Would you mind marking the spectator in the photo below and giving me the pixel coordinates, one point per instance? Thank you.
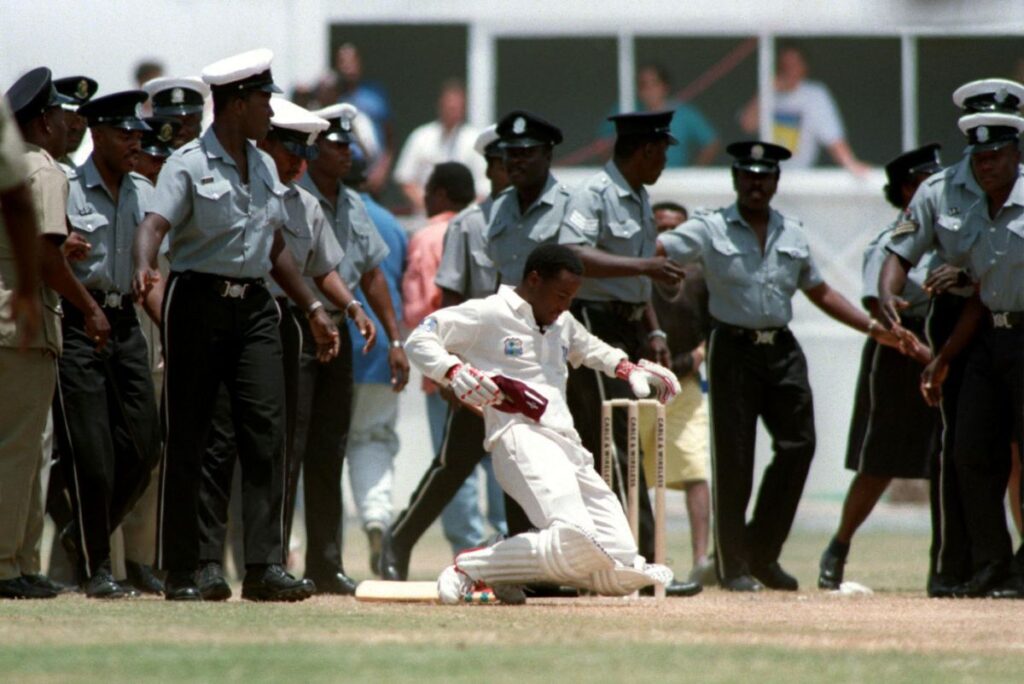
(448, 138)
(371, 100)
(147, 70)
(806, 117)
(372, 440)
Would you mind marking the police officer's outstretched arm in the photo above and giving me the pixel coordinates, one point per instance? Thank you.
(840, 308)
(891, 282)
(285, 271)
(148, 236)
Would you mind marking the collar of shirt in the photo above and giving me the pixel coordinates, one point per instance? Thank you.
(522, 308)
(964, 177)
(775, 221)
(214, 150)
(622, 187)
(92, 178)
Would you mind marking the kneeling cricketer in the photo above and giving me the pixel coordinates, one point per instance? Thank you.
(507, 354)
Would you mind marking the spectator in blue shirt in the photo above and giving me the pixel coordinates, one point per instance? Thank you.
(373, 101)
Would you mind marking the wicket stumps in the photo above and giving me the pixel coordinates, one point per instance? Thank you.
(633, 465)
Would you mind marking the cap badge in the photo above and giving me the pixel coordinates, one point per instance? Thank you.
(82, 90)
(346, 125)
(1000, 96)
(177, 96)
(519, 125)
(138, 110)
(757, 152)
(981, 134)
(166, 133)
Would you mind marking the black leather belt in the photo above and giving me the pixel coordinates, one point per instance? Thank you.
(229, 288)
(759, 336)
(624, 310)
(1008, 320)
(111, 299)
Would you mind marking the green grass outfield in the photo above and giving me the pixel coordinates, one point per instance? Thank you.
(894, 636)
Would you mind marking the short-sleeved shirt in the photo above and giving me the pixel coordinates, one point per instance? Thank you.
(465, 267)
(606, 213)
(688, 126)
(913, 293)
(218, 224)
(512, 235)
(48, 187)
(373, 367)
(309, 237)
(363, 246)
(420, 295)
(935, 218)
(806, 118)
(429, 145)
(996, 257)
(746, 288)
(108, 226)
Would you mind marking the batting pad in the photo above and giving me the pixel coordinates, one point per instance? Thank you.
(559, 553)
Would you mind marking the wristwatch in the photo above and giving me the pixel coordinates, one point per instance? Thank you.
(348, 307)
(312, 308)
(396, 344)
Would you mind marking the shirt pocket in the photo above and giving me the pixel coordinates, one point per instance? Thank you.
(790, 264)
(725, 261)
(213, 204)
(951, 223)
(544, 231)
(622, 234)
(88, 223)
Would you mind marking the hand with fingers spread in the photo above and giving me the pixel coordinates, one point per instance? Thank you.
(661, 269)
(472, 386)
(143, 281)
(891, 305)
(944, 277)
(647, 377)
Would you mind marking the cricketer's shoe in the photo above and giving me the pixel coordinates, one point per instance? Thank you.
(453, 585)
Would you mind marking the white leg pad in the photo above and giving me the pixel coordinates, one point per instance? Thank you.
(624, 580)
(560, 553)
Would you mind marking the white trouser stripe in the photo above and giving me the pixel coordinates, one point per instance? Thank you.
(167, 424)
(871, 406)
(709, 363)
(942, 449)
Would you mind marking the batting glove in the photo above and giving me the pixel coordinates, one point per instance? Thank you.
(473, 387)
(647, 377)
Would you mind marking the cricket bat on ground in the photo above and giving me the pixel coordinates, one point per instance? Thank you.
(381, 591)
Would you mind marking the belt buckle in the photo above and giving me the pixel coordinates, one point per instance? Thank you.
(113, 300)
(234, 290)
(765, 336)
(1001, 320)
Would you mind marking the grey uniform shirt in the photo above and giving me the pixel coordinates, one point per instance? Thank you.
(913, 293)
(218, 224)
(108, 226)
(996, 257)
(934, 219)
(465, 267)
(746, 288)
(363, 246)
(309, 237)
(606, 213)
(512, 235)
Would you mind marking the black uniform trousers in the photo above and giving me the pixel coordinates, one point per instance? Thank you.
(106, 425)
(990, 414)
(221, 454)
(950, 553)
(209, 341)
(746, 381)
(461, 451)
(322, 412)
(587, 388)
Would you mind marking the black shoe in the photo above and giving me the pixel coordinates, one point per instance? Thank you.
(142, 578)
(211, 583)
(374, 536)
(742, 583)
(272, 583)
(677, 589)
(44, 582)
(774, 577)
(394, 559)
(830, 567)
(1012, 588)
(339, 583)
(550, 591)
(941, 586)
(989, 577)
(102, 585)
(19, 588)
(180, 585)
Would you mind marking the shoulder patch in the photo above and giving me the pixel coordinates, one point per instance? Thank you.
(429, 324)
(905, 226)
(579, 221)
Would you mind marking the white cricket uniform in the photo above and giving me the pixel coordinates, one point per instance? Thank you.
(542, 465)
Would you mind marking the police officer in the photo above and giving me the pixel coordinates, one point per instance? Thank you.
(106, 418)
(609, 222)
(325, 390)
(291, 143)
(465, 272)
(934, 222)
(992, 394)
(181, 99)
(220, 202)
(893, 432)
(754, 260)
(78, 90)
(33, 196)
(156, 145)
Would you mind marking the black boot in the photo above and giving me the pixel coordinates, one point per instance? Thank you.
(830, 568)
(774, 577)
(180, 585)
(211, 583)
(141, 576)
(272, 583)
(394, 559)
